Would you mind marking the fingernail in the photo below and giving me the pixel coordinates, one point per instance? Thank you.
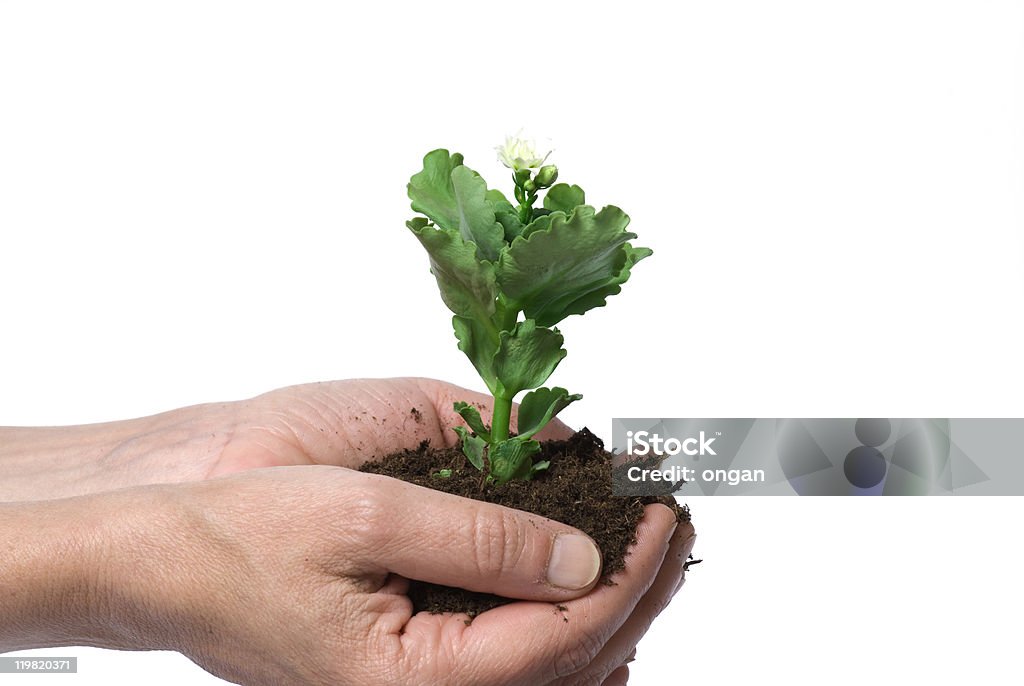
(575, 562)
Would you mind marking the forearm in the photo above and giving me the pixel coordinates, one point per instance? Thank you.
(40, 463)
(95, 570)
(49, 574)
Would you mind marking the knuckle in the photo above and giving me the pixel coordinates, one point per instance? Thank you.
(497, 542)
(366, 515)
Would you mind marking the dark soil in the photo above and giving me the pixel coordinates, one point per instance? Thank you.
(576, 489)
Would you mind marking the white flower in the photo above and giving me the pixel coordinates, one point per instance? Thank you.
(520, 153)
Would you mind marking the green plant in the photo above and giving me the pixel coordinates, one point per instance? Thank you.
(496, 262)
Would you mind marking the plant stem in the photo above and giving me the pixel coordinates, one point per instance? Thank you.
(506, 316)
(526, 209)
(501, 418)
(526, 199)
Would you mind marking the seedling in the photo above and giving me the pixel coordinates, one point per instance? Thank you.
(510, 273)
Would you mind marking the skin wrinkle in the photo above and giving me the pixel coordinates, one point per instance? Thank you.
(169, 440)
(321, 411)
(375, 407)
(586, 648)
(280, 428)
(373, 404)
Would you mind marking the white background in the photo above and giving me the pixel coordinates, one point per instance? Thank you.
(205, 200)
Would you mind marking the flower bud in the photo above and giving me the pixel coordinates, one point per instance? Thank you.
(530, 186)
(522, 176)
(547, 175)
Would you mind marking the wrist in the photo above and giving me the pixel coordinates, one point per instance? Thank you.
(94, 570)
(50, 573)
(138, 541)
(41, 463)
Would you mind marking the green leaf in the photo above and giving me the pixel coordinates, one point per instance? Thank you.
(634, 255)
(539, 467)
(598, 298)
(477, 221)
(512, 459)
(497, 198)
(472, 417)
(431, 189)
(509, 223)
(472, 447)
(563, 197)
(526, 356)
(540, 406)
(505, 214)
(479, 342)
(569, 267)
(540, 223)
(467, 285)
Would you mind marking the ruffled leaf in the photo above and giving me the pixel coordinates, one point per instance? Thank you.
(473, 447)
(505, 214)
(479, 343)
(541, 222)
(431, 189)
(476, 213)
(467, 284)
(512, 459)
(471, 415)
(526, 356)
(569, 267)
(540, 406)
(564, 198)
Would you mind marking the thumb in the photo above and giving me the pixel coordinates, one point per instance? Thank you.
(440, 538)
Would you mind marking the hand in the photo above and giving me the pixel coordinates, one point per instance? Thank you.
(337, 423)
(296, 575)
(342, 423)
(347, 423)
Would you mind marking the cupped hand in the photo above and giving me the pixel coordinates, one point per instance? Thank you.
(346, 423)
(340, 423)
(297, 575)
(245, 565)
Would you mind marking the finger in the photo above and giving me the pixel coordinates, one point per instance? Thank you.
(547, 647)
(617, 678)
(622, 646)
(440, 538)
